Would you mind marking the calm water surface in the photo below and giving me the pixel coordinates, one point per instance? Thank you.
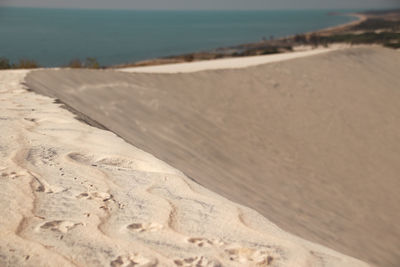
(53, 37)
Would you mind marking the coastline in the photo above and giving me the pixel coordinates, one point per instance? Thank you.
(273, 46)
(181, 59)
(255, 25)
(360, 18)
(155, 66)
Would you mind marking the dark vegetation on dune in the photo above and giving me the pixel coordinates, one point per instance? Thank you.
(382, 12)
(5, 63)
(371, 31)
(388, 39)
(89, 63)
(377, 24)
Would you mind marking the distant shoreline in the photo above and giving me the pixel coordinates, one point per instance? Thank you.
(380, 27)
(344, 33)
(168, 60)
(360, 18)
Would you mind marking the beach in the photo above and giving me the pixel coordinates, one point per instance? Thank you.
(76, 195)
(330, 30)
(309, 142)
(227, 63)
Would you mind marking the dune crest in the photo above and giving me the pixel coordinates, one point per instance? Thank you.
(75, 195)
(311, 143)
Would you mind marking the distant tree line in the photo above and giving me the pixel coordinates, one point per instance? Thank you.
(388, 39)
(89, 63)
(21, 64)
(377, 24)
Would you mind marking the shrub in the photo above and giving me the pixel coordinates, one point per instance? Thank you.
(91, 63)
(377, 24)
(392, 45)
(4, 63)
(188, 58)
(75, 64)
(271, 50)
(315, 40)
(25, 64)
(300, 38)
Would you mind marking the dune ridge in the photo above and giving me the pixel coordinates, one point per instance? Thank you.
(311, 143)
(75, 195)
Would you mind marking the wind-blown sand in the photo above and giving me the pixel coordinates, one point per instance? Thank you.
(75, 195)
(311, 143)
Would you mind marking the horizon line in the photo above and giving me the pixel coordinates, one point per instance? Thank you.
(193, 10)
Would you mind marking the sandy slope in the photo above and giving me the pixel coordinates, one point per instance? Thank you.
(311, 143)
(75, 195)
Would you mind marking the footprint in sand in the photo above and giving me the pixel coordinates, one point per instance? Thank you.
(59, 226)
(133, 260)
(11, 175)
(43, 187)
(118, 163)
(250, 256)
(203, 242)
(30, 119)
(79, 158)
(198, 261)
(144, 227)
(95, 195)
(42, 155)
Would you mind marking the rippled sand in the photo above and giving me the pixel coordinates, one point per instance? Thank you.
(75, 195)
(311, 143)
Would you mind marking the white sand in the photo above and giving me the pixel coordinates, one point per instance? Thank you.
(229, 63)
(74, 195)
(310, 143)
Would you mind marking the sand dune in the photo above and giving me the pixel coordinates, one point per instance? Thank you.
(311, 143)
(75, 195)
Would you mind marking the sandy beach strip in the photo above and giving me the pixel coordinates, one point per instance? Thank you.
(360, 18)
(227, 63)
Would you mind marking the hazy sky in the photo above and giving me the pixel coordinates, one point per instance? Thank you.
(206, 4)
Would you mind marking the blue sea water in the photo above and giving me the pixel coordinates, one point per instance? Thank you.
(53, 37)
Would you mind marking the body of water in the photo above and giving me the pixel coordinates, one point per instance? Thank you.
(53, 37)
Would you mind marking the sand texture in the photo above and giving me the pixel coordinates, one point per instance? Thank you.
(76, 195)
(311, 143)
